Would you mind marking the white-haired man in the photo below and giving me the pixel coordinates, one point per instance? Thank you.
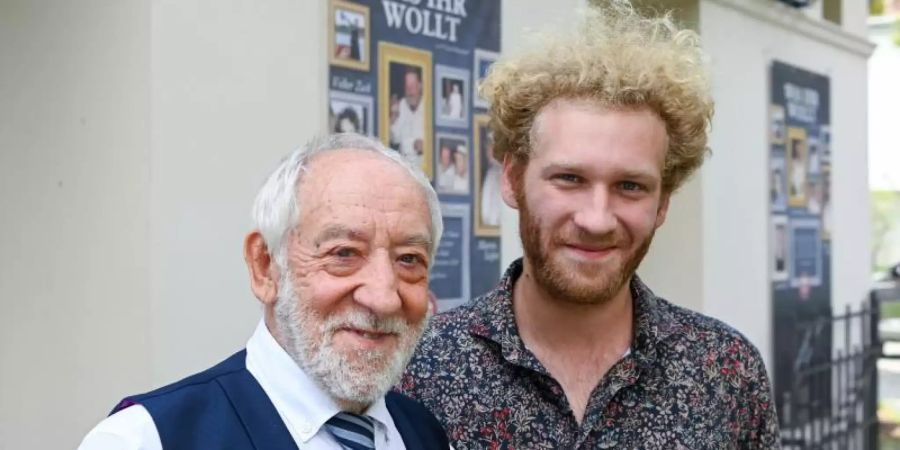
(344, 236)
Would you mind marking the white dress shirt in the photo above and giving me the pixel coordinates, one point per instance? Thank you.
(408, 128)
(302, 404)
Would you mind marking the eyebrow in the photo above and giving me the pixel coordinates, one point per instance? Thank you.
(338, 231)
(418, 240)
(638, 175)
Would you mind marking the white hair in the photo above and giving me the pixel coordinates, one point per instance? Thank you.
(359, 376)
(276, 210)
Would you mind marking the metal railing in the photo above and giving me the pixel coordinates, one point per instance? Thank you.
(832, 401)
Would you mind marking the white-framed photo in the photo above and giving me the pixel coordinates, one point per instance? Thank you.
(452, 173)
(351, 113)
(451, 96)
(480, 66)
(778, 184)
(777, 125)
(780, 248)
(805, 254)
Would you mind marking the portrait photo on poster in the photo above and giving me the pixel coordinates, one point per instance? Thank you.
(482, 61)
(488, 201)
(777, 184)
(452, 172)
(780, 248)
(797, 166)
(405, 103)
(348, 35)
(813, 156)
(826, 202)
(776, 124)
(825, 144)
(451, 92)
(350, 113)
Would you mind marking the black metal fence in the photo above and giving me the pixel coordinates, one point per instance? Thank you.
(833, 400)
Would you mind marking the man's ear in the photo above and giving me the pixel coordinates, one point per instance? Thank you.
(512, 173)
(663, 209)
(262, 268)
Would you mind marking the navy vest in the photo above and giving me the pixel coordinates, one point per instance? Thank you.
(226, 408)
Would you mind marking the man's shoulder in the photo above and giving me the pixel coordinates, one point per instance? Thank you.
(711, 341)
(191, 385)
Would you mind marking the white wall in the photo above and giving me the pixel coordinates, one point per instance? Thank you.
(735, 216)
(884, 108)
(134, 134)
(235, 86)
(74, 191)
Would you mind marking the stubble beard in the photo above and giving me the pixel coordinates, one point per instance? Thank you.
(358, 377)
(562, 283)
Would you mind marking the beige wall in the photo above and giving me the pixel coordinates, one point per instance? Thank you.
(133, 136)
(74, 191)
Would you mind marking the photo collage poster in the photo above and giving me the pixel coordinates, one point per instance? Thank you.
(407, 72)
(800, 221)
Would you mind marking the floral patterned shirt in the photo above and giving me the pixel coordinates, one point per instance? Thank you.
(689, 382)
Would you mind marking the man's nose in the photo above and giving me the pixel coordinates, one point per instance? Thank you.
(378, 290)
(596, 215)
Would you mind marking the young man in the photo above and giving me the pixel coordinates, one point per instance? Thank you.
(572, 350)
(345, 234)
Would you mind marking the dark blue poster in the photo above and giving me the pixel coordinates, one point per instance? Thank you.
(800, 232)
(407, 72)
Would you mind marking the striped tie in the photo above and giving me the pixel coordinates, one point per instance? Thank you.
(352, 431)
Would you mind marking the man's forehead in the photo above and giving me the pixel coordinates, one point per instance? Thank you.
(339, 181)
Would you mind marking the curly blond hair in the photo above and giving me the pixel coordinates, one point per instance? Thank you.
(619, 59)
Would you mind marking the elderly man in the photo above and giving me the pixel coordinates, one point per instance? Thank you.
(595, 132)
(345, 234)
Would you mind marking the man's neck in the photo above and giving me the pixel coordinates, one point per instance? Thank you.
(560, 325)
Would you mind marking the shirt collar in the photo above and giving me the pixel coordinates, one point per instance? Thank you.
(493, 319)
(302, 403)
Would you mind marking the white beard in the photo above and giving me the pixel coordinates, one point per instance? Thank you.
(360, 377)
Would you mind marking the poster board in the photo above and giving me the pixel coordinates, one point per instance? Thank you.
(800, 222)
(407, 72)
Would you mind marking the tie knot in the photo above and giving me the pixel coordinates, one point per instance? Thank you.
(352, 431)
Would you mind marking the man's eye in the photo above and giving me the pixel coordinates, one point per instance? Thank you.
(410, 258)
(568, 178)
(631, 186)
(345, 252)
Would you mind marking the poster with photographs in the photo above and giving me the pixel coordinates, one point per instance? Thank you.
(407, 73)
(799, 199)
